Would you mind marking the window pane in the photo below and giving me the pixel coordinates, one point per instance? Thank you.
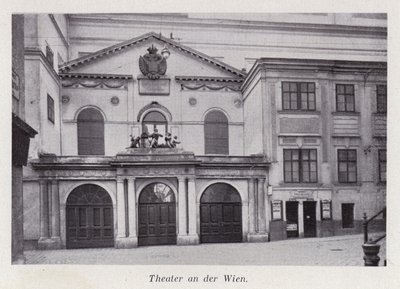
(287, 154)
(313, 177)
(311, 87)
(303, 87)
(339, 89)
(343, 177)
(342, 167)
(285, 86)
(352, 156)
(352, 177)
(342, 155)
(293, 86)
(349, 89)
(295, 154)
(295, 177)
(313, 154)
(305, 154)
(295, 166)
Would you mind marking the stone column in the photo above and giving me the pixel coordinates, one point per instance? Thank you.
(192, 206)
(121, 218)
(301, 219)
(182, 213)
(132, 211)
(257, 225)
(252, 224)
(44, 214)
(261, 207)
(55, 214)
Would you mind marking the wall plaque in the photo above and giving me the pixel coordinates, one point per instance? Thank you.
(306, 195)
(326, 211)
(276, 210)
(154, 87)
(299, 125)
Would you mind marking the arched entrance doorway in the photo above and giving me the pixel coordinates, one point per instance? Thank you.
(220, 214)
(157, 215)
(89, 218)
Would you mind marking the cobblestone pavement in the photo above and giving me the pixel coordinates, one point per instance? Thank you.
(329, 251)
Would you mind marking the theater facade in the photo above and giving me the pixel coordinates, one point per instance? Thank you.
(151, 142)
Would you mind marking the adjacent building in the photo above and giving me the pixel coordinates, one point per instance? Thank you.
(269, 129)
(21, 134)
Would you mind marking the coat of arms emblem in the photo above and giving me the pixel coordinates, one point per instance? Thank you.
(152, 64)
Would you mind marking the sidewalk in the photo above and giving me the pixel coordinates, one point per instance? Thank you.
(329, 251)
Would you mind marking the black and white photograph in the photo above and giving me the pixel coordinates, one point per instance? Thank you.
(222, 139)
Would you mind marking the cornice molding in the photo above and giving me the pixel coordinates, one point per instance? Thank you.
(95, 76)
(78, 19)
(314, 65)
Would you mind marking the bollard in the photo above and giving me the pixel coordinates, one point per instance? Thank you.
(371, 251)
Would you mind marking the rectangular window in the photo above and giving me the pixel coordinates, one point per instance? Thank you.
(300, 165)
(381, 98)
(298, 95)
(347, 215)
(50, 56)
(382, 166)
(347, 166)
(345, 97)
(50, 108)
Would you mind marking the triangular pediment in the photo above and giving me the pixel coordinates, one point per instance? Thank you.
(123, 59)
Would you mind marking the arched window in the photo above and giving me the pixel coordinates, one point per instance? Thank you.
(216, 133)
(90, 132)
(155, 120)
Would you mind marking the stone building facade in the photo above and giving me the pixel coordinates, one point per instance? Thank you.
(280, 128)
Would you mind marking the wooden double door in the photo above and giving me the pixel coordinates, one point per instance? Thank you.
(157, 216)
(220, 215)
(89, 216)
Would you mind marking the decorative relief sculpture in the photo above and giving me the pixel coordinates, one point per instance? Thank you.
(152, 64)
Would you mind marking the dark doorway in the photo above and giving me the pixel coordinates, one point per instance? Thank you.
(220, 215)
(292, 219)
(310, 222)
(89, 218)
(157, 216)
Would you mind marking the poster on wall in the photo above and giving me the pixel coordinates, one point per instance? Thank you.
(276, 210)
(326, 210)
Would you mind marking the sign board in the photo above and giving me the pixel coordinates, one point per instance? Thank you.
(291, 227)
(302, 195)
(276, 210)
(326, 210)
(154, 86)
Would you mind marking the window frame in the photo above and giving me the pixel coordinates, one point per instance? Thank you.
(380, 165)
(50, 109)
(299, 92)
(84, 119)
(381, 107)
(346, 96)
(350, 224)
(347, 161)
(222, 125)
(301, 162)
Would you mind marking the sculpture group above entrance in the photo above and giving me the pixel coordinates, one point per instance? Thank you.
(153, 64)
(151, 141)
